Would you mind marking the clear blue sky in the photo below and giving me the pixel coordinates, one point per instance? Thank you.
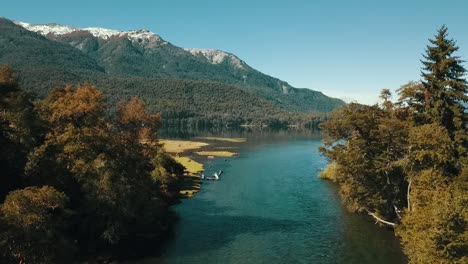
(346, 49)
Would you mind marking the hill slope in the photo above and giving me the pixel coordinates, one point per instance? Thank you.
(145, 54)
(123, 69)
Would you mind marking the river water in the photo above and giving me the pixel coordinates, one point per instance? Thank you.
(271, 207)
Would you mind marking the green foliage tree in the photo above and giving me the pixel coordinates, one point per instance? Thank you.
(445, 89)
(20, 130)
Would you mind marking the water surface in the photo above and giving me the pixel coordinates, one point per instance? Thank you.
(271, 207)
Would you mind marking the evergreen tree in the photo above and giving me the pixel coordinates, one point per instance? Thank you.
(19, 131)
(445, 88)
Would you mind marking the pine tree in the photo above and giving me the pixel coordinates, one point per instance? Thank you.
(445, 86)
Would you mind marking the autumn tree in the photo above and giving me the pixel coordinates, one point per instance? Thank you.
(139, 125)
(103, 183)
(103, 170)
(34, 221)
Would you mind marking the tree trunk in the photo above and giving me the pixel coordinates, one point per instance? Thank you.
(380, 219)
(397, 211)
(408, 196)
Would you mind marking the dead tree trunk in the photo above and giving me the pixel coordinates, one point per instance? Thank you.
(381, 220)
(408, 196)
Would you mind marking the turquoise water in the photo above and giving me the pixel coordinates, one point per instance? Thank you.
(271, 207)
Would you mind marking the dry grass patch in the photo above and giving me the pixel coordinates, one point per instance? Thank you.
(217, 153)
(178, 146)
(233, 140)
(330, 173)
(190, 165)
(191, 182)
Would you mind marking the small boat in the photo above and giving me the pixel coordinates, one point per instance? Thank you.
(215, 176)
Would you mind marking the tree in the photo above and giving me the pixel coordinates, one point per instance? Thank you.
(445, 89)
(20, 131)
(405, 163)
(134, 114)
(83, 106)
(139, 126)
(435, 230)
(103, 167)
(34, 223)
(386, 95)
(365, 142)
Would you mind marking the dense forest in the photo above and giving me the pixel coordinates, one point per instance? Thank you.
(405, 162)
(76, 183)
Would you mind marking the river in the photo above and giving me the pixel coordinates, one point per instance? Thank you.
(271, 207)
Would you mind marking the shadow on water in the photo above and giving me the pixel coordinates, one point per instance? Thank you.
(366, 241)
(270, 207)
(211, 231)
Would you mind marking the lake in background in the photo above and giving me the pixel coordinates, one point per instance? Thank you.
(271, 207)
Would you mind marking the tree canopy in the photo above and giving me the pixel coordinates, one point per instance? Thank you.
(405, 162)
(81, 182)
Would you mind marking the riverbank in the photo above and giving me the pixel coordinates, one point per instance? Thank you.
(184, 152)
(272, 208)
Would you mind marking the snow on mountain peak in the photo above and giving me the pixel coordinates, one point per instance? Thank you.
(45, 29)
(140, 36)
(145, 38)
(218, 56)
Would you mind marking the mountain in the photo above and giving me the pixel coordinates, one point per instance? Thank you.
(139, 62)
(145, 54)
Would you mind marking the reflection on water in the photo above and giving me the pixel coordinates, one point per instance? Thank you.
(270, 207)
(259, 133)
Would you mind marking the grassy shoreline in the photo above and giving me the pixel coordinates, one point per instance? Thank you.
(191, 153)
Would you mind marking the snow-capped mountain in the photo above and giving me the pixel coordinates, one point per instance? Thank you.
(218, 56)
(142, 37)
(45, 29)
(71, 54)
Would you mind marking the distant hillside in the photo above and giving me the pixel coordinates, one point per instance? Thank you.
(140, 63)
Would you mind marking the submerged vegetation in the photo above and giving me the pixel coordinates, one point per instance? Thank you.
(76, 183)
(405, 163)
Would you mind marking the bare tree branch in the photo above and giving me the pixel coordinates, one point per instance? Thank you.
(380, 219)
